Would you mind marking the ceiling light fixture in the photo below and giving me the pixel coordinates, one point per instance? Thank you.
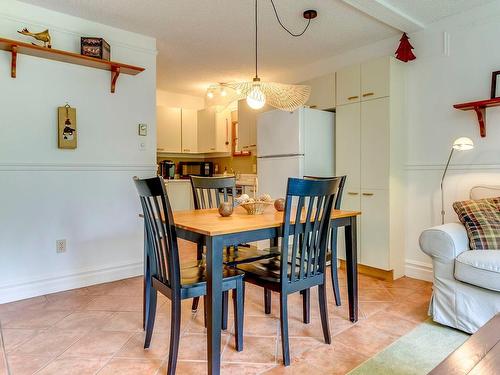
(282, 96)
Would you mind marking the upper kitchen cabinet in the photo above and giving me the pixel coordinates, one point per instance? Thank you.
(348, 85)
(189, 137)
(375, 78)
(322, 92)
(177, 130)
(370, 80)
(247, 125)
(169, 129)
(214, 131)
(223, 131)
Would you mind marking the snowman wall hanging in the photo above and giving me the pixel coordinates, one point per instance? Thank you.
(67, 134)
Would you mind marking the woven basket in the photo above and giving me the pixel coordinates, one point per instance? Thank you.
(256, 208)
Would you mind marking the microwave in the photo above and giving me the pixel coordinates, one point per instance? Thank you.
(196, 168)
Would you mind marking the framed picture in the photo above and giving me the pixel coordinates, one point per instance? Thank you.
(495, 90)
(66, 127)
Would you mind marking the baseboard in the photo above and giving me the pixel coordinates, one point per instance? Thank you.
(418, 270)
(40, 287)
(371, 271)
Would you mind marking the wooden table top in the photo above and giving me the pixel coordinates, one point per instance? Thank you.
(479, 355)
(210, 223)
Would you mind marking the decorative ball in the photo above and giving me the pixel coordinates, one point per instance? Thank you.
(279, 204)
(225, 209)
(265, 198)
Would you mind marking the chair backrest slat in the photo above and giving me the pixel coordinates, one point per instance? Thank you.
(160, 231)
(338, 197)
(307, 231)
(213, 187)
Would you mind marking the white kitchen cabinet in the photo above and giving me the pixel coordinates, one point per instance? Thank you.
(322, 92)
(223, 131)
(169, 131)
(348, 85)
(375, 144)
(206, 130)
(348, 152)
(375, 78)
(370, 150)
(247, 125)
(180, 194)
(214, 131)
(375, 234)
(189, 130)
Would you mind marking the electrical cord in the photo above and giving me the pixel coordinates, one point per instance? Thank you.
(284, 27)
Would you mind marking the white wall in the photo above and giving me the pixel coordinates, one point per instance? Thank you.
(85, 196)
(173, 99)
(436, 81)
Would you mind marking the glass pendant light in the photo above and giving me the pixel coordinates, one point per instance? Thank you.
(256, 99)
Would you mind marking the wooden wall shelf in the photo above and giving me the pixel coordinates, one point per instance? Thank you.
(480, 108)
(16, 47)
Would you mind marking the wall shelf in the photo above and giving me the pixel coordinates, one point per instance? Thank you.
(480, 108)
(16, 47)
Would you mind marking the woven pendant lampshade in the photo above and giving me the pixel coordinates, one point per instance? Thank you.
(282, 96)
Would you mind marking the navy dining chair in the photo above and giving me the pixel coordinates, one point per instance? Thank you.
(165, 275)
(302, 261)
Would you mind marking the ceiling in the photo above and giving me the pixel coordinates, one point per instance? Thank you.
(207, 41)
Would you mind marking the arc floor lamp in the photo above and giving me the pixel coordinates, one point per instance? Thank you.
(460, 144)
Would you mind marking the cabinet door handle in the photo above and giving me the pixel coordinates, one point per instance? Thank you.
(227, 133)
(253, 146)
(352, 97)
(159, 149)
(212, 148)
(352, 193)
(368, 194)
(186, 150)
(245, 146)
(368, 94)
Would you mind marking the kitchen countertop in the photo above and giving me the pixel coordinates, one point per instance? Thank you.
(178, 180)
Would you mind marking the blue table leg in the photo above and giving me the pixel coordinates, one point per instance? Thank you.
(214, 302)
(351, 256)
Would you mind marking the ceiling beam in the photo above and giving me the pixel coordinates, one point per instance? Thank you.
(387, 14)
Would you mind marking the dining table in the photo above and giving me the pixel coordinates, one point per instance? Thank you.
(208, 229)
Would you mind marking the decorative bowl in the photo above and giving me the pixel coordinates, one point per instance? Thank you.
(256, 208)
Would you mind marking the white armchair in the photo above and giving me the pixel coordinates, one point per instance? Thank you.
(466, 282)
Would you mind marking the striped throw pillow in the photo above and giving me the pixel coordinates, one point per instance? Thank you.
(481, 219)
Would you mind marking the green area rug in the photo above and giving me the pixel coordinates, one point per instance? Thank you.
(416, 353)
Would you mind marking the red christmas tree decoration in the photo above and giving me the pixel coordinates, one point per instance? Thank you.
(404, 51)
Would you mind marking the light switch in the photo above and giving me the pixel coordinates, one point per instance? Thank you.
(143, 130)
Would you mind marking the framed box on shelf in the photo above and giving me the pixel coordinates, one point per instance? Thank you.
(95, 47)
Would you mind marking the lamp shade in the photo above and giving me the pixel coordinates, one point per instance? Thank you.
(463, 144)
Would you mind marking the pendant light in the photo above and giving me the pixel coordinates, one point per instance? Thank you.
(279, 95)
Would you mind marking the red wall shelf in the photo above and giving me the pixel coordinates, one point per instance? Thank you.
(480, 108)
(16, 47)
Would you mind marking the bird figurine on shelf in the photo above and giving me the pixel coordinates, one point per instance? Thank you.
(42, 36)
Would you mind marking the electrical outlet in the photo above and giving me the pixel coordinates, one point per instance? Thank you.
(60, 246)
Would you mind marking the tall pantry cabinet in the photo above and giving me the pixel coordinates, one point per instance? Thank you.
(370, 150)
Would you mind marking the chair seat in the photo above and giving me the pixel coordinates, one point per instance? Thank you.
(267, 270)
(194, 273)
(480, 268)
(247, 254)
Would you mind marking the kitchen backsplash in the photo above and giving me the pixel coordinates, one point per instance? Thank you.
(241, 164)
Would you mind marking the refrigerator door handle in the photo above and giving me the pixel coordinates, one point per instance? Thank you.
(278, 156)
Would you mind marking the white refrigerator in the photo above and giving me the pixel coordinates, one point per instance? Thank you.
(293, 144)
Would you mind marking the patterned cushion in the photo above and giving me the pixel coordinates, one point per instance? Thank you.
(481, 219)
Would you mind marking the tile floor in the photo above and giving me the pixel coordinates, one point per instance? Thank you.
(97, 329)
